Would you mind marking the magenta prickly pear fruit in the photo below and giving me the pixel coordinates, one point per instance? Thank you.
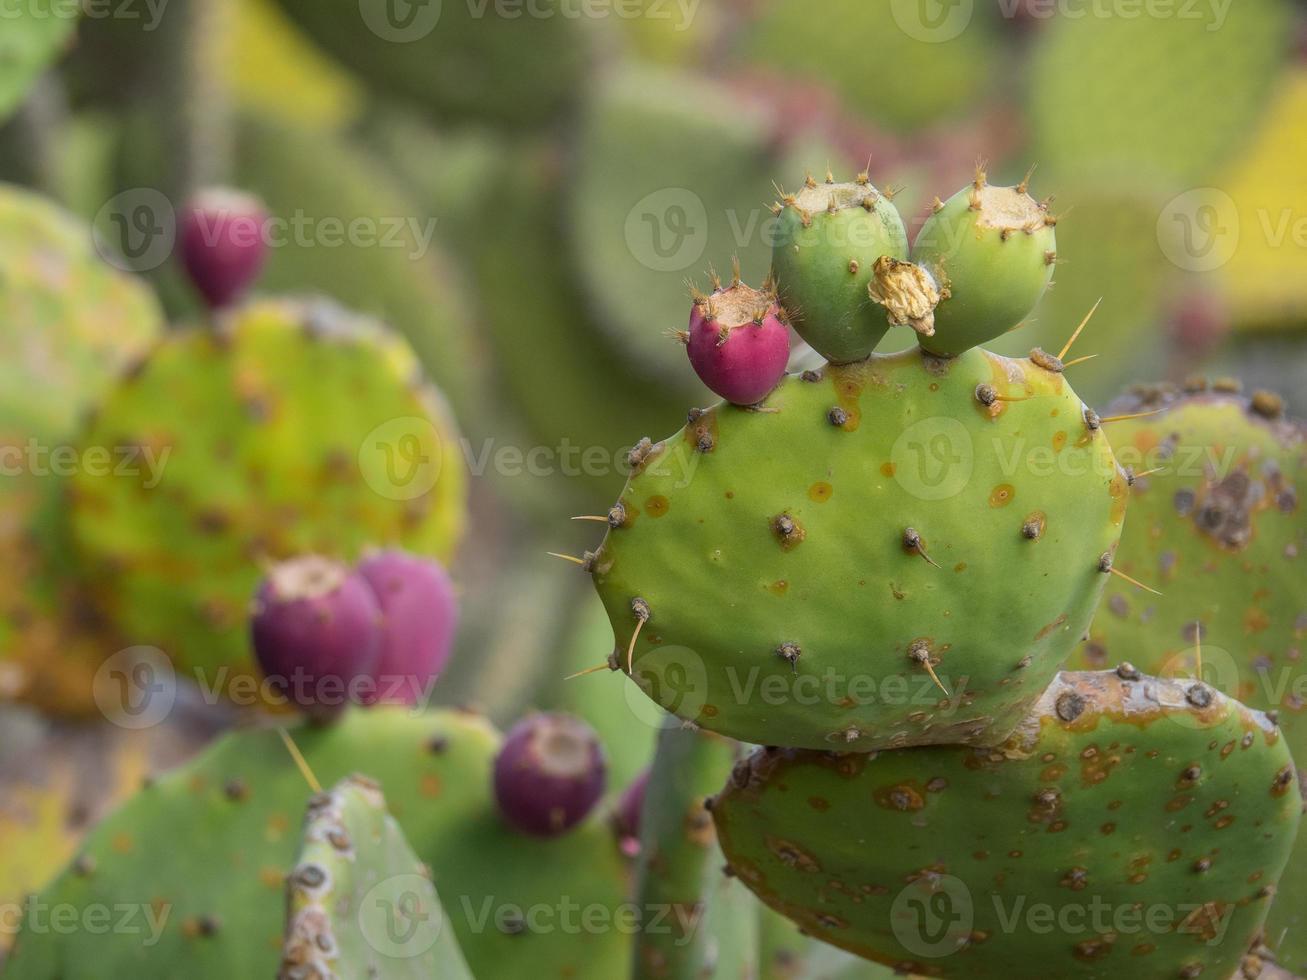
(549, 774)
(626, 817)
(738, 342)
(317, 632)
(420, 613)
(222, 244)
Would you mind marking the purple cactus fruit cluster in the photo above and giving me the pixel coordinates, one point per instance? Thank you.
(327, 636)
(549, 774)
(738, 343)
(223, 244)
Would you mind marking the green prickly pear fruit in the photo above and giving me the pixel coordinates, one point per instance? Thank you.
(828, 238)
(1148, 820)
(992, 251)
(894, 552)
(359, 902)
(1217, 516)
(292, 427)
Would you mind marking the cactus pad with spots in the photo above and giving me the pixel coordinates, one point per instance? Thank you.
(228, 824)
(1220, 527)
(793, 574)
(287, 429)
(1131, 828)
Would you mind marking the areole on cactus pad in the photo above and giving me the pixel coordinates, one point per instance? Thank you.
(1131, 828)
(894, 552)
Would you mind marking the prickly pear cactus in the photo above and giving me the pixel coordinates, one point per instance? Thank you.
(360, 902)
(1218, 523)
(1147, 820)
(215, 908)
(72, 322)
(949, 58)
(458, 61)
(291, 427)
(33, 36)
(1137, 83)
(899, 551)
(646, 214)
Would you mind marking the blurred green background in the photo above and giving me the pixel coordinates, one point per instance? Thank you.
(547, 177)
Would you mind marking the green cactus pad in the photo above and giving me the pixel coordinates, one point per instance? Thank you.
(889, 61)
(1220, 525)
(1131, 828)
(360, 902)
(1118, 95)
(992, 250)
(33, 36)
(228, 824)
(671, 174)
(791, 574)
(290, 427)
(460, 61)
(827, 240)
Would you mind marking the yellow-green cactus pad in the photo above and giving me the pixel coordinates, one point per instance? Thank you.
(289, 428)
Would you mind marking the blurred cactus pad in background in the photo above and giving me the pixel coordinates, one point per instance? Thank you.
(668, 489)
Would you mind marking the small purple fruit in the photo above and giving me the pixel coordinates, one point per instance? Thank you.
(420, 614)
(626, 817)
(549, 774)
(222, 244)
(317, 633)
(737, 343)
